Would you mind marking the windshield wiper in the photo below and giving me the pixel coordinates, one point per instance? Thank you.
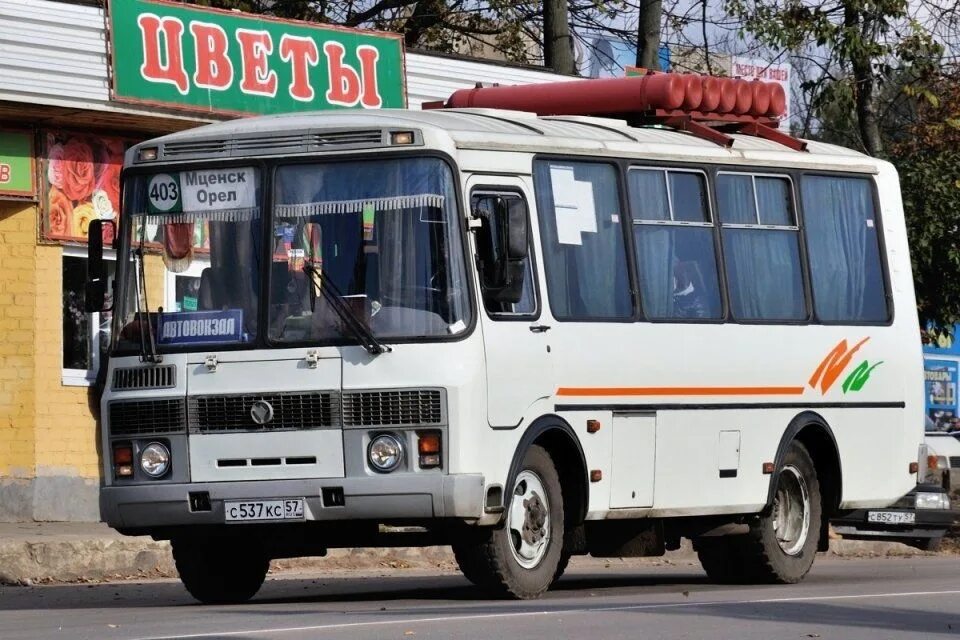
(334, 298)
(148, 346)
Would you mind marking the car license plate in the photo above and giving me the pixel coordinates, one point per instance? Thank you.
(258, 510)
(891, 517)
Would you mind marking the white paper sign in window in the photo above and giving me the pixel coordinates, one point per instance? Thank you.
(573, 205)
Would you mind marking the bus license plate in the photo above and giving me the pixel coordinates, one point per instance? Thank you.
(258, 510)
(891, 517)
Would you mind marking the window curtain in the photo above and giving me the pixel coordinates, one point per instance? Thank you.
(656, 251)
(843, 247)
(763, 267)
(735, 199)
(588, 280)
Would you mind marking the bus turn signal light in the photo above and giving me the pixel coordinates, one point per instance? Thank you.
(428, 446)
(914, 467)
(593, 426)
(123, 460)
(768, 468)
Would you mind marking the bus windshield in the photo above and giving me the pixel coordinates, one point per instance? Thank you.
(382, 234)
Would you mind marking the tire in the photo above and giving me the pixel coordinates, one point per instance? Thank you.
(929, 544)
(561, 566)
(219, 572)
(521, 557)
(720, 559)
(781, 545)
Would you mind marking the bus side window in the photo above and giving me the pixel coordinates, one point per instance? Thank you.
(492, 209)
(761, 246)
(675, 244)
(843, 242)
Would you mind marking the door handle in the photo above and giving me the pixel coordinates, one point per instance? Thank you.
(539, 328)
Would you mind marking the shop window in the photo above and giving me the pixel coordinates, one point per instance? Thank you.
(86, 336)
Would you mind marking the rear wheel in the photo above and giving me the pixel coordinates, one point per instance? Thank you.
(220, 572)
(781, 545)
(521, 558)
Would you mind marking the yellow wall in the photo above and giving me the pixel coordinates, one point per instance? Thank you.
(66, 431)
(46, 428)
(18, 293)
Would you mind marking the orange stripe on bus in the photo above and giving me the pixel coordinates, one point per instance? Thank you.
(680, 391)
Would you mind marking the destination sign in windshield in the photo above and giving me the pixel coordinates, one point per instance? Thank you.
(198, 191)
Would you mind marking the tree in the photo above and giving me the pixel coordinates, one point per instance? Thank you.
(648, 34)
(557, 41)
(860, 42)
(928, 159)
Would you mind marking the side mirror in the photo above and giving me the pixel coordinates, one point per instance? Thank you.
(95, 290)
(517, 241)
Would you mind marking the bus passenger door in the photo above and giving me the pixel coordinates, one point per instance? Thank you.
(516, 339)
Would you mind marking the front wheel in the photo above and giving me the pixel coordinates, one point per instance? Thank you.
(520, 558)
(219, 571)
(782, 544)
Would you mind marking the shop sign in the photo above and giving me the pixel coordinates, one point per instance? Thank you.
(17, 169)
(238, 63)
(81, 182)
(940, 377)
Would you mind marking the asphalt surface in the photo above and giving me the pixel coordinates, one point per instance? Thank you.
(841, 598)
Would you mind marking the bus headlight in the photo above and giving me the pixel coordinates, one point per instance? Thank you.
(385, 453)
(930, 500)
(155, 459)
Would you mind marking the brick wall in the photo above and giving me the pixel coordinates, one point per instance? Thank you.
(18, 290)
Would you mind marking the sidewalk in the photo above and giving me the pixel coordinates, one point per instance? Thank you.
(81, 552)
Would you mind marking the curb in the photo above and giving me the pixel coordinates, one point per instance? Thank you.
(27, 562)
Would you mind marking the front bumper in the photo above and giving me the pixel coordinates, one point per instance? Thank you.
(381, 498)
(928, 523)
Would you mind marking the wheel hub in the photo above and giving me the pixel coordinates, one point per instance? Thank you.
(791, 511)
(528, 521)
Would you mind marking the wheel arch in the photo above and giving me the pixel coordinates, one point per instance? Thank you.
(555, 434)
(814, 432)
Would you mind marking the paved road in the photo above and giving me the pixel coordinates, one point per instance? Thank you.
(841, 598)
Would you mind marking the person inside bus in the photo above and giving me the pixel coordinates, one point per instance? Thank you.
(688, 298)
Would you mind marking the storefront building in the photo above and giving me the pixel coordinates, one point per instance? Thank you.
(79, 83)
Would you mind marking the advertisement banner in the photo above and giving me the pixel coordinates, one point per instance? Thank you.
(17, 169)
(228, 62)
(940, 378)
(81, 177)
(751, 68)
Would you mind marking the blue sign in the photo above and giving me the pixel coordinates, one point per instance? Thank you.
(608, 57)
(201, 327)
(940, 391)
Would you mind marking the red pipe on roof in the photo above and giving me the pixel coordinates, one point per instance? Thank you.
(580, 97)
(703, 96)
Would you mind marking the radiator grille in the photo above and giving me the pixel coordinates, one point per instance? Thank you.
(955, 462)
(144, 378)
(216, 414)
(383, 408)
(147, 416)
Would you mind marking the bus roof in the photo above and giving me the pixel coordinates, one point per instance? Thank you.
(498, 130)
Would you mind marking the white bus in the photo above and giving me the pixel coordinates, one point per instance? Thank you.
(525, 337)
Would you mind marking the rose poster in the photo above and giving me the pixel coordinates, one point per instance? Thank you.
(82, 183)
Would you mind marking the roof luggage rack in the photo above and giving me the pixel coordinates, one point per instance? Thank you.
(705, 106)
